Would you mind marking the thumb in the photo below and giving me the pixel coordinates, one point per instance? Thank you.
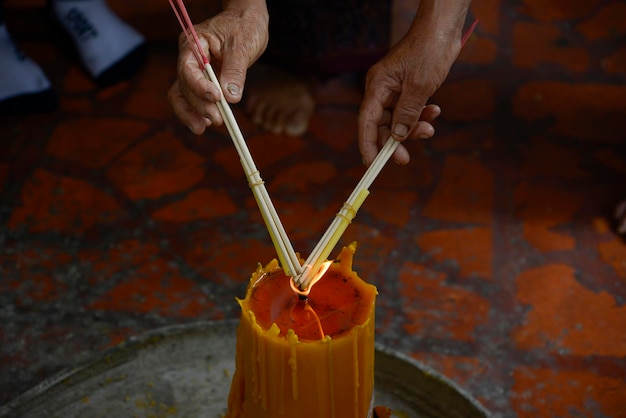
(233, 75)
(406, 114)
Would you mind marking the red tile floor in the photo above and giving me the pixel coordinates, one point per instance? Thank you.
(493, 251)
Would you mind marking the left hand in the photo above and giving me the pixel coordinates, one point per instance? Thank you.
(398, 87)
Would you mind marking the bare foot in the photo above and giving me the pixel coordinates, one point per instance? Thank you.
(278, 101)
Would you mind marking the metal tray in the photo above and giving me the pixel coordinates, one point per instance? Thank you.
(185, 371)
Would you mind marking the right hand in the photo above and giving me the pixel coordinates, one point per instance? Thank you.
(232, 40)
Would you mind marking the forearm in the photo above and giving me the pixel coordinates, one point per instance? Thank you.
(243, 5)
(444, 18)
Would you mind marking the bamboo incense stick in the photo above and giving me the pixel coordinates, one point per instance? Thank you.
(286, 254)
(343, 218)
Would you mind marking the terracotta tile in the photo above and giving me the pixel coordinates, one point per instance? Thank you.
(601, 226)
(373, 245)
(63, 204)
(488, 13)
(150, 88)
(245, 124)
(552, 393)
(556, 321)
(467, 100)
(77, 80)
(140, 279)
(266, 149)
(46, 55)
(464, 193)
(478, 50)
(613, 253)
(225, 259)
(157, 288)
(610, 159)
(539, 160)
(391, 206)
(110, 92)
(336, 128)
(158, 166)
(93, 142)
(418, 173)
(119, 257)
(478, 137)
(471, 249)
(80, 106)
(608, 23)
(198, 204)
(615, 63)
(300, 219)
(436, 309)
(552, 48)
(304, 177)
(557, 9)
(543, 99)
(542, 208)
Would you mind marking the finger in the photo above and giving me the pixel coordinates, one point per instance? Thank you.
(430, 113)
(195, 122)
(384, 133)
(194, 84)
(233, 75)
(401, 155)
(422, 130)
(380, 94)
(370, 117)
(407, 112)
(385, 119)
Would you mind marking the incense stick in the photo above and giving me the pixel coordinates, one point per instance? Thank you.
(343, 218)
(348, 211)
(286, 254)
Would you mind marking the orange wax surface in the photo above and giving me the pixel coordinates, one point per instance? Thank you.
(305, 359)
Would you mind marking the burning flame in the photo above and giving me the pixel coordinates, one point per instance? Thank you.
(303, 295)
(316, 276)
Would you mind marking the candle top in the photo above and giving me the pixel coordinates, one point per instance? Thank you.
(337, 303)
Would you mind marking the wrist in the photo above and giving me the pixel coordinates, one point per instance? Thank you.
(245, 5)
(442, 18)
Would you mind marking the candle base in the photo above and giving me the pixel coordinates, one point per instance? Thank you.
(284, 367)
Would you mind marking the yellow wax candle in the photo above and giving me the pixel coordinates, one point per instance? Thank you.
(300, 358)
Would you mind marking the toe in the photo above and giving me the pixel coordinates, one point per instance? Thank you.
(298, 123)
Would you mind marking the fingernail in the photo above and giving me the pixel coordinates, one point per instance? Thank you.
(233, 89)
(400, 129)
(424, 136)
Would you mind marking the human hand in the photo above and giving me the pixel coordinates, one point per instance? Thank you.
(398, 87)
(232, 40)
(424, 129)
